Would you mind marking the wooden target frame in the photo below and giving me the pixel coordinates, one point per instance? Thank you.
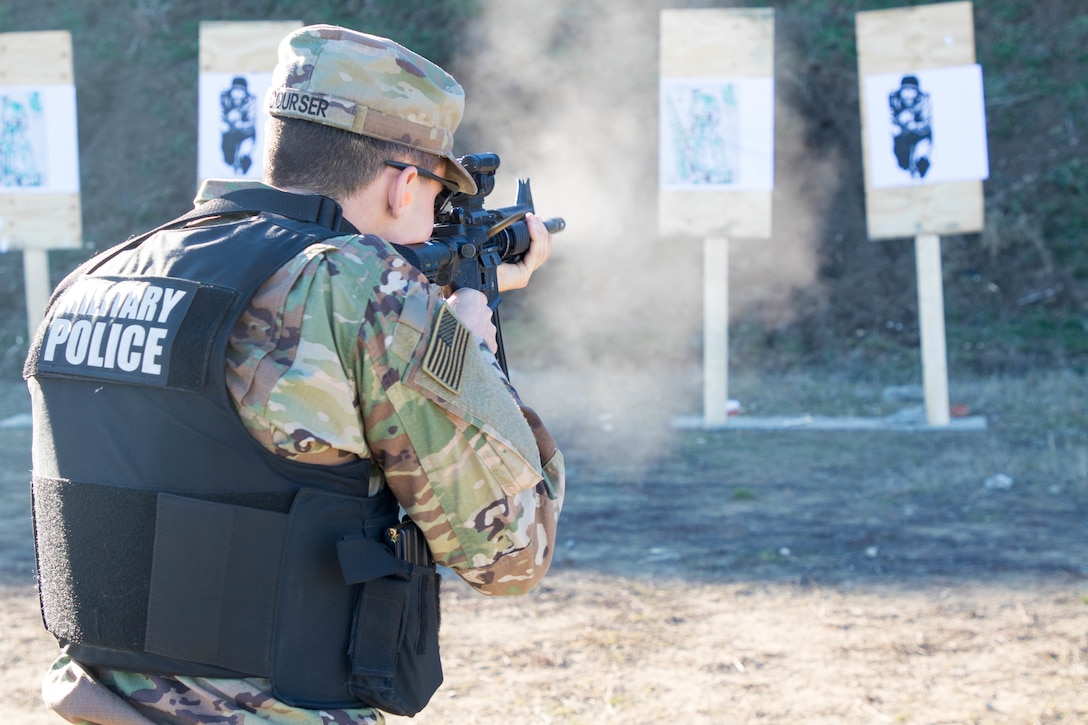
(908, 41)
(36, 220)
(229, 50)
(731, 47)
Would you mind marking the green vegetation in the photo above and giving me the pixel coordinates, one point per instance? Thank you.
(136, 71)
(1016, 295)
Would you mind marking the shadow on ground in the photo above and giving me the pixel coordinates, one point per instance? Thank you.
(830, 507)
(822, 507)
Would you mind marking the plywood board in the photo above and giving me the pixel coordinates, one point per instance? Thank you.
(711, 53)
(955, 208)
(36, 59)
(903, 41)
(39, 193)
(242, 47)
(40, 221)
(927, 36)
(716, 42)
(730, 214)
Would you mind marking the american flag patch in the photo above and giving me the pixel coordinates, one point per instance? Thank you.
(445, 357)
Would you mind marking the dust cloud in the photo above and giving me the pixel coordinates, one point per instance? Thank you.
(567, 94)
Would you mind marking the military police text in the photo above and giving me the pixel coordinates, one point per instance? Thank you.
(98, 324)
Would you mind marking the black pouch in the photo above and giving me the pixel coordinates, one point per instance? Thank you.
(395, 664)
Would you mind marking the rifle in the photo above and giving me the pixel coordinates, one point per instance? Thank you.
(469, 242)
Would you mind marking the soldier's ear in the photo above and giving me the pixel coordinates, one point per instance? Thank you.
(400, 192)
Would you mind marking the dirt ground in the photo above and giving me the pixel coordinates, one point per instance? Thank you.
(750, 576)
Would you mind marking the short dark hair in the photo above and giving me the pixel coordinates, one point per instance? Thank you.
(330, 161)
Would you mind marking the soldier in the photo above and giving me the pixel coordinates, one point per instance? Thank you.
(17, 164)
(912, 116)
(238, 125)
(232, 410)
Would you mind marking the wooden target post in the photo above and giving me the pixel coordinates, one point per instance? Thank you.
(236, 63)
(716, 157)
(924, 142)
(39, 157)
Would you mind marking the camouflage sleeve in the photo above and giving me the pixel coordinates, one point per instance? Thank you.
(348, 351)
(451, 438)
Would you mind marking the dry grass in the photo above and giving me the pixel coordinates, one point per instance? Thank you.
(861, 578)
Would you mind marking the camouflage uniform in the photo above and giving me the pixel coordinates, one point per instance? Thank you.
(327, 364)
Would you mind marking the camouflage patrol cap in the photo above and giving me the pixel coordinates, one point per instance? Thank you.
(372, 86)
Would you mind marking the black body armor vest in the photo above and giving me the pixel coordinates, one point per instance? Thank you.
(168, 540)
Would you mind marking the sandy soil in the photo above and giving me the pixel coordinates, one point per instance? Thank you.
(592, 649)
(746, 576)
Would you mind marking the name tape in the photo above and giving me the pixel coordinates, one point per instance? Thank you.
(320, 108)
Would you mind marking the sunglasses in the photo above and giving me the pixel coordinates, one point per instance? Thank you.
(449, 188)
